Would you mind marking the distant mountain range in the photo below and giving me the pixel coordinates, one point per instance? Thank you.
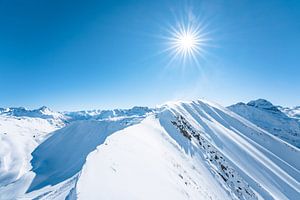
(181, 150)
(281, 122)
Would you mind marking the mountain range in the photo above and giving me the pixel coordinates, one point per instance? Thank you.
(180, 150)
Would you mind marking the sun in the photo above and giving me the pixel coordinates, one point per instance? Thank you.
(187, 42)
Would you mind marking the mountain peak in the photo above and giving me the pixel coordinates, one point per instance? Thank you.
(262, 104)
(44, 108)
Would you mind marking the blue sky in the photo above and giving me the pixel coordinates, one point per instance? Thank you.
(72, 55)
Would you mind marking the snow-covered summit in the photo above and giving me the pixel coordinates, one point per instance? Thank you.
(263, 104)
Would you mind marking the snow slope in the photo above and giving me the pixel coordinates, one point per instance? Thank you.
(182, 150)
(72, 143)
(18, 138)
(21, 131)
(269, 117)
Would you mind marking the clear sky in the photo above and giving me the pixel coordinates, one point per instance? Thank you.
(72, 55)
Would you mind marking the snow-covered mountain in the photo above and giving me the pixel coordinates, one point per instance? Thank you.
(55, 118)
(269, 117)
(182, 150)
(136, 111)
(42, 112)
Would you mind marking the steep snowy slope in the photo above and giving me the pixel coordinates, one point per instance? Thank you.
(269, 117)
(269, 165)
(18, 138)
(183, 150)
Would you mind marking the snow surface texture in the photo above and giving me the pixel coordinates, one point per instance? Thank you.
(182, 150)
(269, 117)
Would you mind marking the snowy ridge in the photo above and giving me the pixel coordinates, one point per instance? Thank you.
(67, 117)
(42, 112)
(181, 150)
(218, 164)
(248, 148)
(145, 162)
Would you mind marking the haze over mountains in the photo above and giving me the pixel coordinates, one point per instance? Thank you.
(181, 150)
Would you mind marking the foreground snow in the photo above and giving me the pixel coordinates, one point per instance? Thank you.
(144, 162)
(182, 150)
(18, 138)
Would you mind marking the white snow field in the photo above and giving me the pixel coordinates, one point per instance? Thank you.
(182, 150)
